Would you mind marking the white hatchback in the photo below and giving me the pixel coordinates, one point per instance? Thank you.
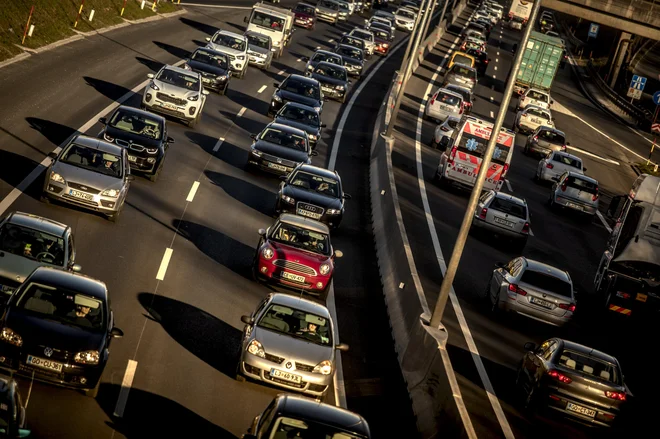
(533, 96)
(444, 103)
(531, 118)
(556, 163)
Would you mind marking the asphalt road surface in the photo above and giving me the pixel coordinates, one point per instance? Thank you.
(183, 333)
(607, 149)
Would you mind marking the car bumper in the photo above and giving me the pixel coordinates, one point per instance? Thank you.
(439, 114)
(511, 304)
(536, 148)
(257, 60)
(270, 166)
(313, 285)
(258, 368)
(574, 205)
(238, 65)
(527, 127)
(332, 221)
(304, 24)
(558, 402)
(214, 84)
(98, 203)
(187, 112)
(497, 229)
(381, 50)
(326, 17)
(405, 25)
(353, 70)
(333, 92)
(143, 164)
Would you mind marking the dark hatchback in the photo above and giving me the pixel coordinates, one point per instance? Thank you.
(334, 80)
(57, 327)
(323, 56)
(12, 410)
(302, 117)
(382, 40)
(214, 68)
(352, 41)
(296, 88)
(142, 134)
(312, 192)
(301, 417)
(278, 149)
(481, 59)
(353, 59)
(305, 16)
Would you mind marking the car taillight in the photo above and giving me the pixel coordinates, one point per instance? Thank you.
(453, 154)
(620, 396)
(505, 169)
(559, 376)
(525, 228)
(595, 196)
(563, 187)
(516, 289)
(483, 213)
(461, 110)
(535, 138)
(433, 98)
(445, 129)
(569, 307)
(549, 166)
(622, 295)
(563, 147)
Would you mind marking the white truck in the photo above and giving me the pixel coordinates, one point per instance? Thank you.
(519, 12)
(273, 21)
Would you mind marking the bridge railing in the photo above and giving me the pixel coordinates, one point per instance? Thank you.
(642, 11)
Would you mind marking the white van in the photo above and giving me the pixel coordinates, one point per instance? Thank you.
(273, 21)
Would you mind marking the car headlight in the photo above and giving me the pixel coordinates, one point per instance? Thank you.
(152, 150)
(222, 78)
(324, 367)
(154, 86)
(311, 136)
(108, 138)
(112, 193)
(54, 176)
(277, 98)
(339, 87)
(87, 357)
(193, 98)
(11, 337)
(288, 199)
(333, 211)
(317, 109)
(324, 269)
(255, 348)
(241, 57)
(268, 253)
(256, 152)
(310, 67)
(186, 66)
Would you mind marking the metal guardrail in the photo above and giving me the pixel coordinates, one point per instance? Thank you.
(641, 11)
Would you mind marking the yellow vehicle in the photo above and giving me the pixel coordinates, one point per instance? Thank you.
(461, 58)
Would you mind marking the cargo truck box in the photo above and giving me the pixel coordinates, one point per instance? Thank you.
(540, 63)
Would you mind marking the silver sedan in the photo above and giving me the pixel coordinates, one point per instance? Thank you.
(289, 342)
(532, 289)
(576, 192)
(503, 215)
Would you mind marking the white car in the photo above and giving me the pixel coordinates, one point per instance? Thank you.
(536, 97)
(556, 163)
(404, 18)
(235, 46)
(444, 103)
(383, 21)
(367, 37)
(444, 129)
(531, 118)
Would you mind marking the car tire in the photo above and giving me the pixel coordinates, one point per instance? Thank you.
(239, 376)
(530, 402)
(223, 91)
(93, 392)
(153, 177)
(45, 199)
(191, 122)
(343, 99)
(113, 217)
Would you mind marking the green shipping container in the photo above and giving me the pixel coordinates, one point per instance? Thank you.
(540, 61)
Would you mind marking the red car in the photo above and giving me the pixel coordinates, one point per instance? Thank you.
(305, 16)
(382, 40)
(295, 252)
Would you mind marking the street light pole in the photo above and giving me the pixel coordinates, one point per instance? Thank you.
(448, 278)
(410, 40)
(406, 75)
(429, 17)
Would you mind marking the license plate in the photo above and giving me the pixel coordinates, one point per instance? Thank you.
(579, 409)
(309, 214)
(286, 376)
(463, 168)
(278, 167)
(132, 158)
(6, 289)
(169, 106)
(504, 222)
(326, 89)
(293, 277)
(44, 364)
(574, 206)
(206, 80)
(82, 195)
(541, 302)
(641, 297)
(537, 121)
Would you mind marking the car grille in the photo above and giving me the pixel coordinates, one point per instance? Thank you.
(274, 358)
(137, 148)
(82, 187)
(286, 383)
(165, 98)
(279, 161)
(304, 367)
(80, 200)
(60, 355)
(295, 266)
(311, 208)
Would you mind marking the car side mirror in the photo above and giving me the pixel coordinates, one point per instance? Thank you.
(552, 101)
(130, 177)
(529, 347)
(262, 232)
(347, 196)
(116, 333)
(244, 19)
(500, 264)
(52, 155)
(283, 177)
(313, 153)
(568, 143)
(208, 39)
(205, 92)
(555, 178)
(584, 169)
(247, 320)
(276, 84)
(103, 120)
(339, 254)
(323, 125)
(489, 60)
(150, 75)
(253, 136)
(76, 268)
(342, 347)
(170, 140)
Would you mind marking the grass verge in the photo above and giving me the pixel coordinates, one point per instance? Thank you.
(647, 169)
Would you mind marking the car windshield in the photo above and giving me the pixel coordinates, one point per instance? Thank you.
(590, 365)
(461, 59)
(263, 19)
(178, 79)
(509, 207)
(381, 34)
(303, 88)
(329, 5)
(567, 160)
(93, 160)
(331, 72)
(364, 35)
(546, 282)
(344, 6)
(213, 59)
(301, 238)
(404, 13)
(448, 99)
(552, 137)
(460, 70)
(139, 124)
(582, 185)
(350, 52)
(316, 183)
(303, 115)
(537, 96)
(320, 57)
(285, 427)
(297, 323)
(258, 40)
(230, 42)
(283, 138)
(453, 123)
(476, 147)
(305, 9)
(538, 113)
(32, 244)
(518, 19)
(63, 305)
(352, 41)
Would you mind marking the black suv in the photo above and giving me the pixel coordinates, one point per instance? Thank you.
(296, 88)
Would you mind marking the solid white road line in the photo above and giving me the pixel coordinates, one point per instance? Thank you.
(508, 185)
(497, 59)
(218, 144)
(602, 220)
(487, 385)
(338, 378)
(240, 113)
(281, 73)
(299, 60)
(593, 155)
(126, 384)
(263, 87)
(193, 191)
(164, 263)
(495, 68)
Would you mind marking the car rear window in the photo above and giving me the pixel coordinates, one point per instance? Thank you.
(448, 99)
(537, 113)
(552, 137)
(509, 207)
(568, 161)
(590, 366)
(537, 96)
(583, 185)
(453, 123)
(461, 91)
(460, 70)
(460, 59)
(546, 282)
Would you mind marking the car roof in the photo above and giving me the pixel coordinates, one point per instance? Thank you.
(319, 171)
(305, 223)
(325, 52)
(38, 223)
(509, 197)
(356, 29)
(286, 128)
(547, 269)
(567, 154)
(147, 113)
(306, 408)
(302, 106)
(451, 93)
(331, 64)
(98, 144)
(585, 350)
(534, 107)
(301, 304)
(70, 280)
(583, 177)
(231, 34)
(257, 34)
(547, 128)
(303, 78)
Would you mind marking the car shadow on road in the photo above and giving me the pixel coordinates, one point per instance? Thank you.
(176, 51)
(14, 168)
(245, 100)
(200, 43)
(109, 89)
(241, 28)
(152, 64)
(150, 415)
(207, 143)
(322, 43)
(203, 27)
(202, 334)
(253, 196)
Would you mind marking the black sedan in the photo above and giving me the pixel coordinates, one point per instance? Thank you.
(481, 59)
(321, 56)
(296, 88)
(57, 327)
(353, 59)
(312, 192)
(278, 149)
(334, 80)
(352, 41)
(12, 410)
(142, 134)
(214, 68)
(572, 380)
(302, 117)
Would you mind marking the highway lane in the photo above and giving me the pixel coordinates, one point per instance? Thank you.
(184, 338)
(558, 239)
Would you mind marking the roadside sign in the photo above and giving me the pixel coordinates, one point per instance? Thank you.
(638, 82)
(656, 98)
(593, 30)
(655, 127)
(634, 93)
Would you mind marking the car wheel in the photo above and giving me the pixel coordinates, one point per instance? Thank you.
(191, 123)
(530, 400)
(487, 289)
(223, 91)
(93, 392)
(153, 177)
(343, 99)
(113, 217)
(239, 376)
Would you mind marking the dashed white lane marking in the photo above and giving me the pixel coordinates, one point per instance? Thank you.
(492, 114)
(281, 73)
(193, 191)
(331, 40)
(263, 87)
(602, 220)
(164, 263)
(494, 76)
(593, 155)
(299, 60)
(498, 53)
(240, 113)
(126, 384)
(497, 60)
(218, 144)
(508, 185)
(495, 68)
(500, 36)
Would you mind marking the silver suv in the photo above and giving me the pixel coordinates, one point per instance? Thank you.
(236, 48)
(503, 215)
(575, 191)
(176, 92)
